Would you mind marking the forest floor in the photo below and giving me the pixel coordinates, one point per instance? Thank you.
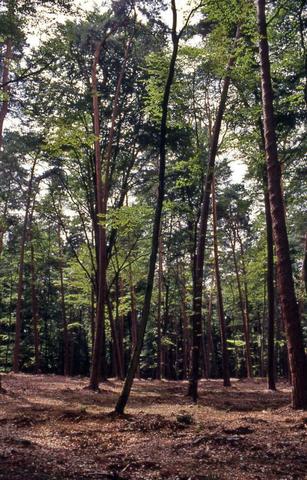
(53, 429)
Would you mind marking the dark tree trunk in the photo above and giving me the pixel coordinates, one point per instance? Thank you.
(225, 359)
(16, 354)
(123, 398)
(270, 289)
(196, 318)
(289, 306)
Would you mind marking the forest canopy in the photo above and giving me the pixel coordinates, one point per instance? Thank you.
(153, 190)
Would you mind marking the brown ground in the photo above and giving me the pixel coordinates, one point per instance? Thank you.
(52, 429)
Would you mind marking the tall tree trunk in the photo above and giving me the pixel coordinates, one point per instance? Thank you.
(245, 305)
(102, 192)
(116, 351)
(248, 360)
(98, 356)
(63, 308)
(225, 359)
(16, 354)
(270, 289)
(123, 398)
(271, 368)
(35, 315)
(159, 329)
(196, 318)
(6, 90)
(289, 306)
(185, 326)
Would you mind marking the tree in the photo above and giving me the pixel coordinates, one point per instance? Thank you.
(202, 231)
(124, 396)
(285, 282)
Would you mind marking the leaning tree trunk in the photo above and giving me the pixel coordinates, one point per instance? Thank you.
(289, 306)
(225, 359)
(124, 396)
(16, 353)
(196, 318)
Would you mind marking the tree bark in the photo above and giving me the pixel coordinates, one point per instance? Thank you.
(289, 306)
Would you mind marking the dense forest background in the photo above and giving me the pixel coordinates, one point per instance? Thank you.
(93, 102)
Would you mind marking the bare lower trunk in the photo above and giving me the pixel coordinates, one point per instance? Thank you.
(16, 354)
(225, 360)
(35, 315)
(63, 308)
(159, 332)
(285, 282)
(196, 318)
(248, 360)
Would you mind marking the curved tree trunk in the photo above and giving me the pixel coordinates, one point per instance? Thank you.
(289, 306)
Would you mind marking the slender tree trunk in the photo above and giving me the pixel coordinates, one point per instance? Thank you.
(248, 360)
(102, 192)
(212, 367)
(63, 307)
(185, 327)
(116, 345)
(270, 289)
(35, 315)
(196, 318)
(246, 306)
(159, 330)
(225, 360)
(16, 354)
(98, 357)
(92, 316)
(271, 368)
(289, 306)
(123, 398)
(6, 90)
